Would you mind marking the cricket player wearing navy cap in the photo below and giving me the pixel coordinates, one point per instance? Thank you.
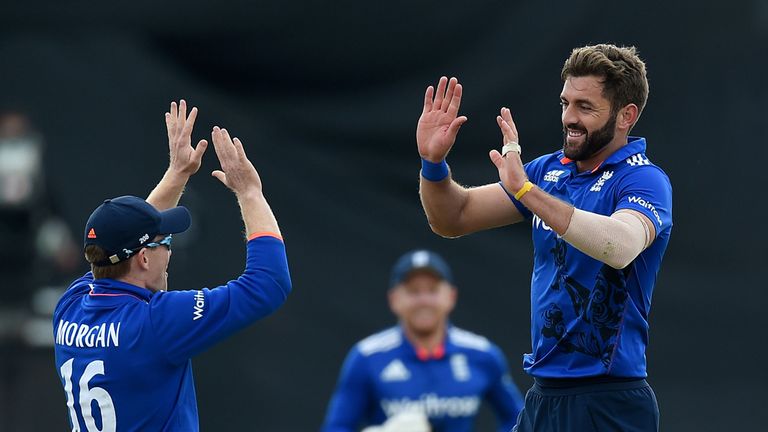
(423, 374)
(123, 343)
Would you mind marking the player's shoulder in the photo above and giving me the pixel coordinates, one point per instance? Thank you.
(468, 340)
(383, 341)
(76, 290)
(639, 169)
(633, 157)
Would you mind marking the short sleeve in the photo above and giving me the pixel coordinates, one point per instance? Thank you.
(647, 189)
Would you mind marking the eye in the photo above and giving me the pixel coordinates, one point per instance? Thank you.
(563, 104)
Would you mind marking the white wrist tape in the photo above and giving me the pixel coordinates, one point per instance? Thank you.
(616, 240)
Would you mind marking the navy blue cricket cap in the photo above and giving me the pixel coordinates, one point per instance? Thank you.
(419, 260)
(122, 225)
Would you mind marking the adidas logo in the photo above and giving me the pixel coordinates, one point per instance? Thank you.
(91, 234)
(553, 176)
(395, 371)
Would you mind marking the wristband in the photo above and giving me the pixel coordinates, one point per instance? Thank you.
(527, 186)
(434, 172)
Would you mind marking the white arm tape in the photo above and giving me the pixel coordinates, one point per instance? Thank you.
(510, 146)
(616, 240)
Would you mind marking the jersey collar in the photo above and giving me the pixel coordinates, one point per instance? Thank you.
(112, 287)
(423, 353)
(634, 145)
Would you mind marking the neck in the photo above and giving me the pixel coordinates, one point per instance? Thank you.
(596, 159)
(131, 280)
(430, 340)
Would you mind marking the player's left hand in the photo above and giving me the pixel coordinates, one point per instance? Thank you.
(510, 166)
(185, 160)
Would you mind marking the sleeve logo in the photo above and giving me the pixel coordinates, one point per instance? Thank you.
(199, 305)
(643, 203)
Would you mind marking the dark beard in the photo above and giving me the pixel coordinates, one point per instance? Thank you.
(593, 142)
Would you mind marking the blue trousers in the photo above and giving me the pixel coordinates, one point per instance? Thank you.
(559, 406)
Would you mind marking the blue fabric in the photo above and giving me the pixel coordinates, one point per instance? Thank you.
(626, 407)
(383, 375)
(142, 342)
(434, 171)
(589, 319)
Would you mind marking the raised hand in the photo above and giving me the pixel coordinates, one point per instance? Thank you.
(184, 159)
(510, 166)
(237, 172)
(439, 122)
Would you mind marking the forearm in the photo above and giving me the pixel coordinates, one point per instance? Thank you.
(443, 202)
(168, 191)
(616, 240)
(553, 211)
(256, 213)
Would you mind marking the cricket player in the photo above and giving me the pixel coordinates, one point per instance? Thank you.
(601, 217)
(423, 374)
(123, 343)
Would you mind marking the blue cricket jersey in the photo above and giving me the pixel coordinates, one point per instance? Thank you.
(123, 352)
(385, 374)
(587, 318)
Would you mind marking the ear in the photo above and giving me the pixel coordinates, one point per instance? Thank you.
(453, 296)
(627, 117)
(392, 297)
(141, 259)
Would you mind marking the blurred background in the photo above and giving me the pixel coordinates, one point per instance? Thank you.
(325, 96)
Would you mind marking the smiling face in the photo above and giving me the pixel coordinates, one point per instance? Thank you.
(589, 123)
(422, 302)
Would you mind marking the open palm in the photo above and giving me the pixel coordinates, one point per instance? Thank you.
(439, 122)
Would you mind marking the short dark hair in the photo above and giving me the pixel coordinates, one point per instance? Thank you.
(622, 71)
(95, 253)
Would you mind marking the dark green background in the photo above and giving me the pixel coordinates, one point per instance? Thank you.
(326, 95)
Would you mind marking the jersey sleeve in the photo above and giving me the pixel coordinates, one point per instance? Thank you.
(351, 398)
(188, 322)
(503, 396)
(647, 189)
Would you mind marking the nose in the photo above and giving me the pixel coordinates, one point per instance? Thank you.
(569, 116)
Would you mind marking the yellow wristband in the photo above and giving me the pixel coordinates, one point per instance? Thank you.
(527, 186)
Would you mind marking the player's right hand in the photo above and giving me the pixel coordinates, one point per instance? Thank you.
(439, 122)
(237, 172)
(511, 171)
(184, 159)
